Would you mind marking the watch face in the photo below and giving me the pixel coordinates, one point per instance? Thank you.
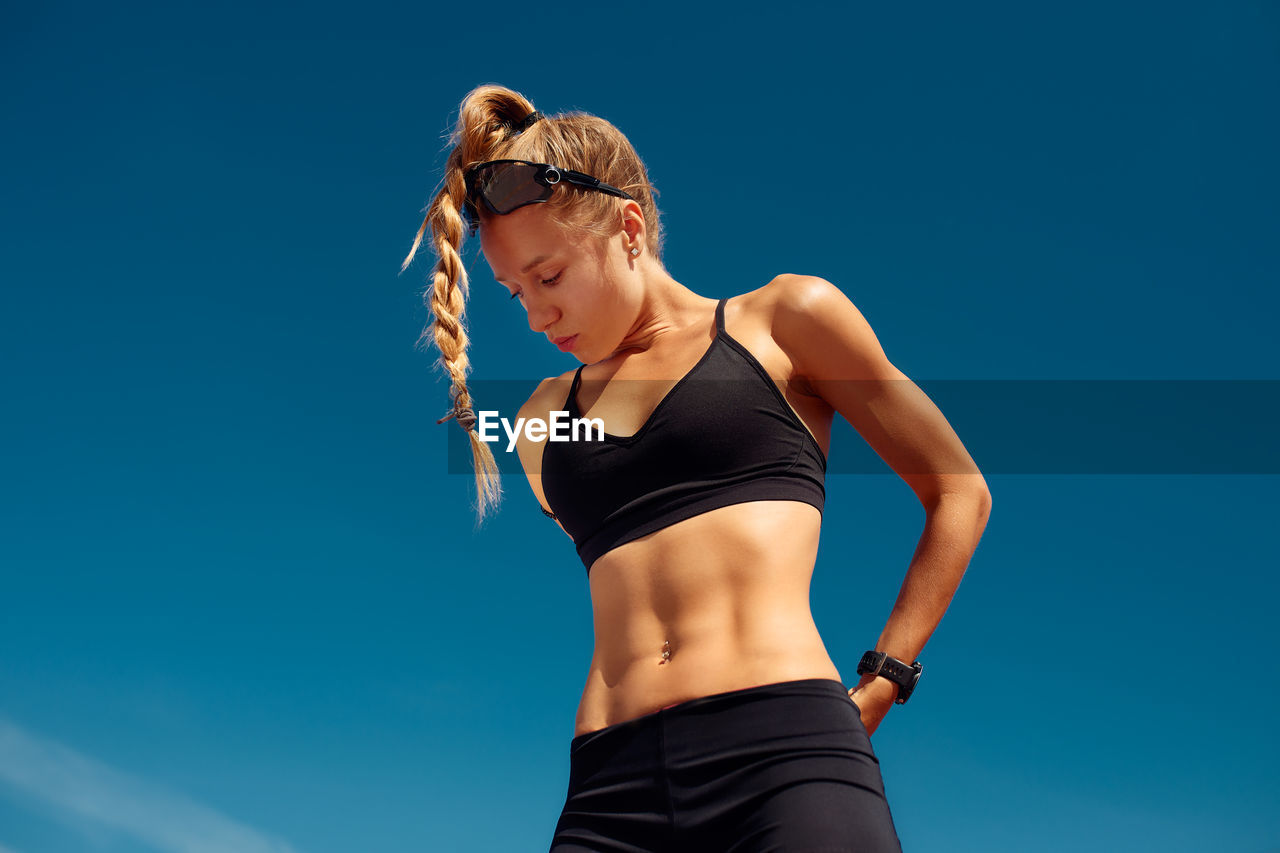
(917, 671)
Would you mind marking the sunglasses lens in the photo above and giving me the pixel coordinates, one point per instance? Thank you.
(506, 186)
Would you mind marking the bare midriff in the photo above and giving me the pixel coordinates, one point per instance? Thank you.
(711, 604)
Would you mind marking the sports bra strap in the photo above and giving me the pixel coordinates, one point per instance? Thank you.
(573, 389)
(720, 316)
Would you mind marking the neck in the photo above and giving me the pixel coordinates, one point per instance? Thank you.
(666, 307)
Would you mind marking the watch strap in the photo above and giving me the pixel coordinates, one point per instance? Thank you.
(905, 675)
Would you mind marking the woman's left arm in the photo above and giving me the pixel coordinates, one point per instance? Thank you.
(836, 354)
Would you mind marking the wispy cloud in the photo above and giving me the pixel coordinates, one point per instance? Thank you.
(87, 788)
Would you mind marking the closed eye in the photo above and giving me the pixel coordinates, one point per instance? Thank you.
(548, 282)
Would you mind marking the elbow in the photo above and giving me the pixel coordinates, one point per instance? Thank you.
(976, 501)
(979, 494)
(982, 506)
(966, 514)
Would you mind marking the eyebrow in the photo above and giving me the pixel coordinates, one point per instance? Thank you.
(533, 263)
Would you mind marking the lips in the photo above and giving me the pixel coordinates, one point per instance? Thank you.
(565, 344)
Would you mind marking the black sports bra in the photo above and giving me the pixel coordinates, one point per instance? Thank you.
(724, 434)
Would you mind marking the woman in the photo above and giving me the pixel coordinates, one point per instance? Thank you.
(712, 718)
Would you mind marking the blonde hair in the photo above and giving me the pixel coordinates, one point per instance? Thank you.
(486, 131)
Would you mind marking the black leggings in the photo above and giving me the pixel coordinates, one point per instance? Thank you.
(779, 767)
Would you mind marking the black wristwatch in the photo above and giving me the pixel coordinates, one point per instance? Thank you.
(905, 675)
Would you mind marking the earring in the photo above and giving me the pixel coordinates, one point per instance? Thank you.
(635, 251)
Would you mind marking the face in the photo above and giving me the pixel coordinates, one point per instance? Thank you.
(571, 285)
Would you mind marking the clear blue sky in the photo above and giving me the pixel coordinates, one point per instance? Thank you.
(243, 604)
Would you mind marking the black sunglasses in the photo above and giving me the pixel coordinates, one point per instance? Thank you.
(505, 185)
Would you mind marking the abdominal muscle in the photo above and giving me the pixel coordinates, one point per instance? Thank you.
(714, 603)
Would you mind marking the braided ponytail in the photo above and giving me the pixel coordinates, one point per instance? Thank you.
(484, 123)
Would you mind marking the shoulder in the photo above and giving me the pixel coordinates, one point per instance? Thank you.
(550, 395)
(792, 296)
(788, 297)
(816, 324)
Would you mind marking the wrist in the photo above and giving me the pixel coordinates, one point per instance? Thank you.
(879, 685)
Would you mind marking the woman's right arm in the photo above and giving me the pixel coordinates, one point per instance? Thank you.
(546, 398)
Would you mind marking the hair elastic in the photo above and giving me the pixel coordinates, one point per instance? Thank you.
(465, 415)
(527, 121)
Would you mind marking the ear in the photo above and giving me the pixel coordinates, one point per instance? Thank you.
(633, 226)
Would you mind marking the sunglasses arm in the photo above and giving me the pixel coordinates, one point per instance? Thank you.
(594, 183)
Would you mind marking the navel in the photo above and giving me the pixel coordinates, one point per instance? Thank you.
(666, 652)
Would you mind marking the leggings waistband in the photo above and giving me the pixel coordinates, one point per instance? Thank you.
(820, 687)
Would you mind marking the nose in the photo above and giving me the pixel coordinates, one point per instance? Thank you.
(541, 314)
